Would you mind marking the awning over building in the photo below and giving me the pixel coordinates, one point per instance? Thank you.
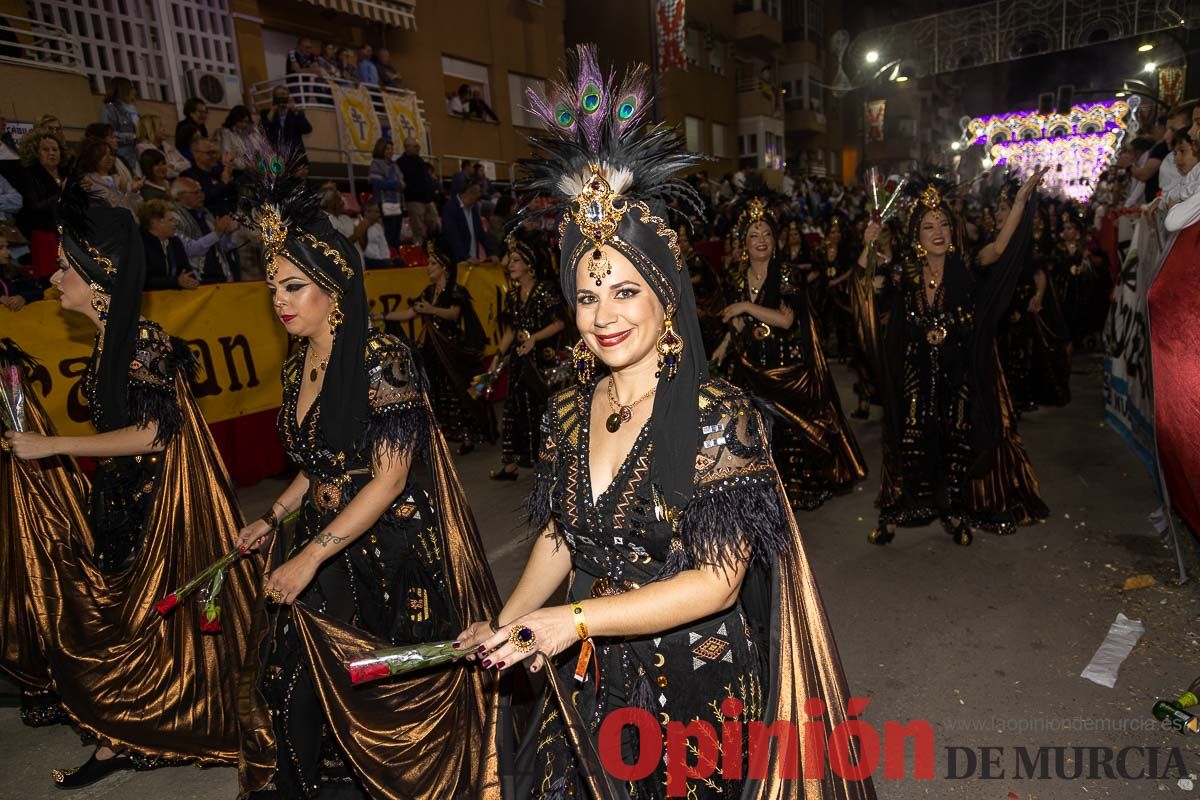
(399, 13)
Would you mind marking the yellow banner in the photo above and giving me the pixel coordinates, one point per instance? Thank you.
(404, 117)
(231, 328)
(360, 123)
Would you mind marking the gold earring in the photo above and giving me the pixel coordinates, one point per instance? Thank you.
(336, 317)
(670, 348)
(100, 301)
(921, 251)
(584, 360)
(950, 249)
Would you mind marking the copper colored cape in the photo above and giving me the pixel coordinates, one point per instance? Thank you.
(429, 735)
(131, 678)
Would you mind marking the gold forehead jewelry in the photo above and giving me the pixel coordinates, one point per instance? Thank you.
(106, 264)
(597, 212)
(755, 211)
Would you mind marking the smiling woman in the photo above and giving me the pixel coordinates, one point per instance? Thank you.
(375, 560)
(654, 491)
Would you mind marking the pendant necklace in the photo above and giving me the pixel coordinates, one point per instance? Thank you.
(621, 413)
(312, 374)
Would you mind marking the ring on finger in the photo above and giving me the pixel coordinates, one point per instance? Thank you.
(522, 637)
(275, 596)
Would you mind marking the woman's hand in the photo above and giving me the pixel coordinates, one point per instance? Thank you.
(472, 637)
(526, 347)
(31, 446)
(722, 350)
(254, 536)
(421, 307)
(553, 629)
(293, 577)
(734, 309)
(1035, 304)
(871, 233)
(1031, 183)
(14, 302)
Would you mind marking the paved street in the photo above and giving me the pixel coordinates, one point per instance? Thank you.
(985, 643)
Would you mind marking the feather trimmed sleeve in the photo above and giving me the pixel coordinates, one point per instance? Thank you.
(736, 514)
(538, 507)
(400, 420)
(152, 397)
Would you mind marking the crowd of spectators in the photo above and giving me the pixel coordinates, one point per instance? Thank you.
(344, 64)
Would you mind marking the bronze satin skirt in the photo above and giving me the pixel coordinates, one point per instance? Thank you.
(813, 447)
(155, 687)
(425, 736)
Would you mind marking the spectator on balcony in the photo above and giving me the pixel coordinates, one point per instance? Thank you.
(41, 184)
(303, 60)
(328, 61)
(151, 136)
(234, 136)
(98, 168)
(389, 78)
(124, 172)
(195, 117)
(207, 240)
(167, 264)
(156, 185)
(367, 71)
(418, 192)
(459, 103)
(16, 289)
(479, 108)
(121, 114)
(387, 186)
(372, 239)
(285, 123)
(214, 176)
(347, 71)
(464, 176)
(462, 228)
(334, 206)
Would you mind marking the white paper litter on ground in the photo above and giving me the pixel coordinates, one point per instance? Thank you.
(1116, 647)
(1158, 518)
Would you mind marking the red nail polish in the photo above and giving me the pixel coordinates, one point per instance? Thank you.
(487, 662)
(241, 548)
(480, 649)
(456, 645)
(500, 665)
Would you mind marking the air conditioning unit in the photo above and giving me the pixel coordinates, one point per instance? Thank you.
(216, 89)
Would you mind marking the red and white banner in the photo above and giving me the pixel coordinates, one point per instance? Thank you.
(875, 109)
(672, 34)
(1170, 85)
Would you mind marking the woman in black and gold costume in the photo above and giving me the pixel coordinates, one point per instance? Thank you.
(950, 448)
(774, 350)
(375, 559)
(532, 319)
(1035, 345)
(1083, 285)
(160, 509)
(656, 492)
(452, 341)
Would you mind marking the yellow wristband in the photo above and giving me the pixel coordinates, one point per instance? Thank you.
(581, 626)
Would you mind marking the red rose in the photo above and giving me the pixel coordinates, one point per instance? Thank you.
(166, 605)
(210, 625)
(891, 186)
(364, 673)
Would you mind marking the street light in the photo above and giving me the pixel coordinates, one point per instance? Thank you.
(1145, 47)
(872, 56)
(1150, 67)
(900, 78)
(956, 146)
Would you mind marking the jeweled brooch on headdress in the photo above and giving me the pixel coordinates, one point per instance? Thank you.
(930, 197)
(597, 212)
(755, 211)
(274, 234)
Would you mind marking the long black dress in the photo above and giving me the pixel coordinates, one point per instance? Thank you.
(817, 454)
(395, 584)
(527, 388)
(1082, 288)
(1035, 346)
(618, 542)
(450, 354)
(950, 444)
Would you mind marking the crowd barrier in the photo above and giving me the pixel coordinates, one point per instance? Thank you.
(239, 344)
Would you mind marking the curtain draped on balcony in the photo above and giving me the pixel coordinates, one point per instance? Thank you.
(398, 13)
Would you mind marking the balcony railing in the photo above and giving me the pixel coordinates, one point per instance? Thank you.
(30, 42)
(312, 91)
